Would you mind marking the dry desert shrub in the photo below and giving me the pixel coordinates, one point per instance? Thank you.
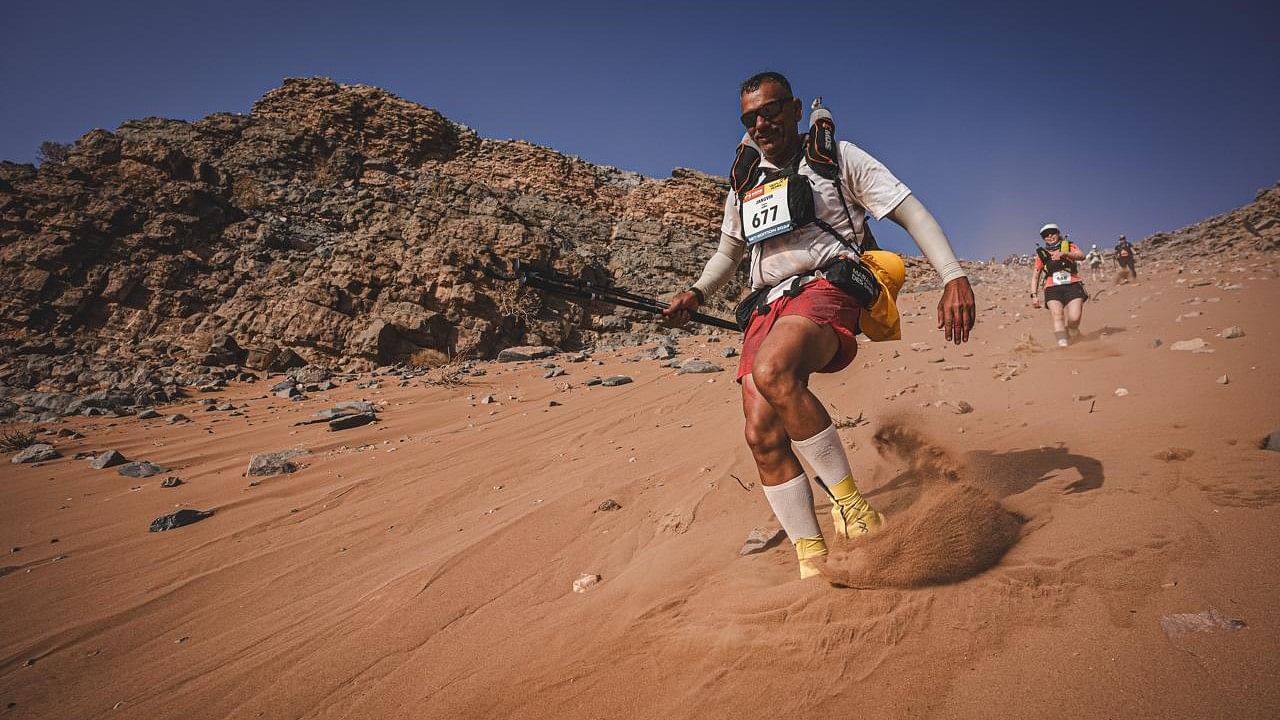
(512, 301)
(53, 153)
(428, 358)
(452, 372)
(15, 440)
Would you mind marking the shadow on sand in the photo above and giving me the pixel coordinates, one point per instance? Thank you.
(1009, 473)
(1000, 474)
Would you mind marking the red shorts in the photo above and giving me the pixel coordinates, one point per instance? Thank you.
(821, 302)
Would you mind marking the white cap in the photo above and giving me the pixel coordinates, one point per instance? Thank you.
(1048, 227)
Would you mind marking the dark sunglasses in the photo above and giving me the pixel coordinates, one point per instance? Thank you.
(768, 111)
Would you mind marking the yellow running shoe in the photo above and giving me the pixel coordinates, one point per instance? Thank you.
(852, 523)
(808, 550)
(850, 512)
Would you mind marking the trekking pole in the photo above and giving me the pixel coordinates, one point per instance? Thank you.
(553, 282)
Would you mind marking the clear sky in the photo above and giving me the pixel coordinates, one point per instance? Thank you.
(1106, 118)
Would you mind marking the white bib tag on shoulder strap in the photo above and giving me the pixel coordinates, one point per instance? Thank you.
(765, 212)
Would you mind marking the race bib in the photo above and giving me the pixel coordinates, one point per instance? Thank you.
(765, 212)
(1062, 277)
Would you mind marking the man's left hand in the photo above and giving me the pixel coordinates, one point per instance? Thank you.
(957, 310)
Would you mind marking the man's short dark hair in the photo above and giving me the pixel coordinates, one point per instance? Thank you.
(754, 82)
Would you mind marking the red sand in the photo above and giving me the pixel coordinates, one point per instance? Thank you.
(422, 567)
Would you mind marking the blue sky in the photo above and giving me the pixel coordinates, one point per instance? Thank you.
(1106, 118)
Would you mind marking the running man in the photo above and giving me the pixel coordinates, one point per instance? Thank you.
(1094, 258)
(808, 324)
(1125, 257)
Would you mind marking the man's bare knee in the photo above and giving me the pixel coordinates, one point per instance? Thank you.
(775, 380)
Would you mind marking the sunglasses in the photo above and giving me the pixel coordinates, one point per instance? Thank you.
(768, 111)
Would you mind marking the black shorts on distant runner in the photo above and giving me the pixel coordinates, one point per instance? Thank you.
(1065, 293)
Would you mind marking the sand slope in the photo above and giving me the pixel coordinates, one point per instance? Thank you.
(422, 566)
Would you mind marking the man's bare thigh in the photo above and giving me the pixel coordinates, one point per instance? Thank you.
(799, 343)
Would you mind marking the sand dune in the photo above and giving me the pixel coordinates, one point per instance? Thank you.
(422, 566)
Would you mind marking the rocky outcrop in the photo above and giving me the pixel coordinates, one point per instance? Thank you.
(334, 224)
(1252, 228)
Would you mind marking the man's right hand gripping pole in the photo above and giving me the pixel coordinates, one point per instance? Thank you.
(681, 308)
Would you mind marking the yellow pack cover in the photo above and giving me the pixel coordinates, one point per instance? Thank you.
(882, 321)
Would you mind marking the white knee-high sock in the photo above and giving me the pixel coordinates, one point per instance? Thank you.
(792, 504)
(830, 464)
(826, 455)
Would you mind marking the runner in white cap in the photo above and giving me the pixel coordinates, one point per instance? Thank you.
(1063, 288)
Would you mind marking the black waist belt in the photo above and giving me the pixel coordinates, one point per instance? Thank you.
(849, 276)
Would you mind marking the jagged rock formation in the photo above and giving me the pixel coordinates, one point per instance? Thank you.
(334, 224)
(337, 226)
(1254, 227)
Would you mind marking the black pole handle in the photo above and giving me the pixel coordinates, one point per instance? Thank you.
(556, 283)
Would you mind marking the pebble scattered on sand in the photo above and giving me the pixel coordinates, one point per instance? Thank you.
(38, 452)
(275, 463)
(761, 539)
(110, 458)
(1177, 624)
(177, 519)
(346, 422)
(698, 366)
(1174, 454)
(141, 469)
(1271, 442)
(585, 582)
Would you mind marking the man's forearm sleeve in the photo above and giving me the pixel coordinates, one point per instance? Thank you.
(719, 269)
(912, 215)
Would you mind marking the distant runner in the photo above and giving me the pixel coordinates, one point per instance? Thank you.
(1094, 258)
(1125, 257)
(1063, 289)
(800, 320)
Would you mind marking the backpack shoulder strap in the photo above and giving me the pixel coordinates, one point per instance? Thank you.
(746, 166)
